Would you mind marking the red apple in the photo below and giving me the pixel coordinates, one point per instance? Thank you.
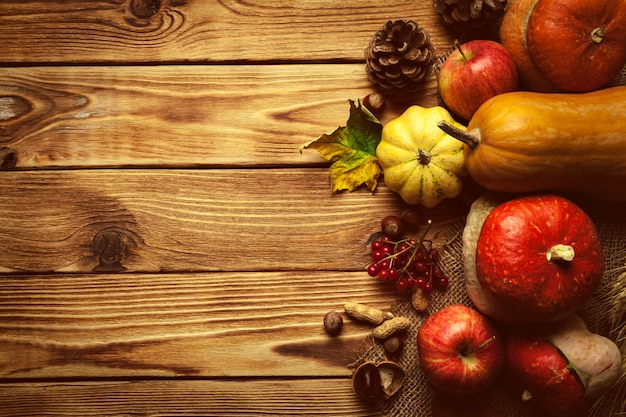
(460, 351)
(475, 72)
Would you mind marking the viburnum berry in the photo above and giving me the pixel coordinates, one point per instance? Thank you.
(384, 264)
(373, 270)
(400, 262)
(384, 274)
(386, 239)
(403, 284)
(378, 255)
(420, 282)
(441, 283)
(407, 262)
(392, 274)
(421, 267)
(376, 245)
(403, 247)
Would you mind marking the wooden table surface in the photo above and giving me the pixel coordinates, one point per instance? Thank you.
(165, 247)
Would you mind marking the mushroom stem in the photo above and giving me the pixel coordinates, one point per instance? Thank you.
(560, 252)
(469, 137)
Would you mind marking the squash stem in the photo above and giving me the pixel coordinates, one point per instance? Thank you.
(597, 35)
(560, 252)
(526, 396)
(470, 138)
(423, 157)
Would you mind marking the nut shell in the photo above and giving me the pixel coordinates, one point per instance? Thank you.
(378, 381)
(392, 377)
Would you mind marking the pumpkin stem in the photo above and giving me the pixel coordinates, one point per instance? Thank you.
(470, 138)
(423, 157)
(597, 35)
(526, 396)
(560, 253)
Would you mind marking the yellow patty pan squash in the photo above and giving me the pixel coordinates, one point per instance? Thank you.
(419, 161)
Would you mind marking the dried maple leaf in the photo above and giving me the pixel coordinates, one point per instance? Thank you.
(352, 150)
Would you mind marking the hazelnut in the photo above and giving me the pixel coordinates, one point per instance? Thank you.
(333, 323)
(392, 226)
(367, 383)
(412, 219)
(374, 102)
(393, 345)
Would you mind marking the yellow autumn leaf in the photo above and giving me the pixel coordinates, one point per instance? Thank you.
(352, 150)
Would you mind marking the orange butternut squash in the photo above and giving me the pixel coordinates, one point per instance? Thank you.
(529, 142)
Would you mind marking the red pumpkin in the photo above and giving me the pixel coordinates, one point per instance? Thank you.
(535, 362)
(539, 257)
(566, 45)
(562, 367)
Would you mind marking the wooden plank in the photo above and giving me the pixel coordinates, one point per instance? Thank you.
(316, 397)
(188, 220)
(137, 31)
(181, 325)
(177, 116)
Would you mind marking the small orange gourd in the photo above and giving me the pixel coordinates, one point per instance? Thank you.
(528, 142)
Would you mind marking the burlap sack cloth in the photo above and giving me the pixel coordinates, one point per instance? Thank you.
(604, 314)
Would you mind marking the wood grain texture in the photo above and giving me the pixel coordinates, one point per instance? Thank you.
(165, 248)
(140, 31)
(182, 220)
(177, 116)
(182, 325)
(158, 220)
(293, 397)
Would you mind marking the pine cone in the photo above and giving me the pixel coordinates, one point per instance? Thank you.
(399, 57)
(477, 13)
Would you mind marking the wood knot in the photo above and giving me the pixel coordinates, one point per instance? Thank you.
(144, 9)
(12, 107)
(8, 158)
(110, 246)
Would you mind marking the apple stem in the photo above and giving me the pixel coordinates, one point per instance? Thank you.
(485, 343)
(560, 252)
(479, 347)
(597, 35)
(457, 45)
(470, 138)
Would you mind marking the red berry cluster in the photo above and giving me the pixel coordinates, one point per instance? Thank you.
(409, 263)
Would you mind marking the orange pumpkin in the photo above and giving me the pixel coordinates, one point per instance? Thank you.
(566, 45)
